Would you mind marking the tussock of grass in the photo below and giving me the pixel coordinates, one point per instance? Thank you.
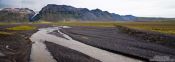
(22, 28)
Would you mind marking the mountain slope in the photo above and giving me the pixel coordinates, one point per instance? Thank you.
(16, 14)
(53, 12)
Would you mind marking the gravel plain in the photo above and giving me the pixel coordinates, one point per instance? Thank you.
(111, 39)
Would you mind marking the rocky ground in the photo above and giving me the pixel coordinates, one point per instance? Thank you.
(113, 40)
(64, 54)
(16, 47)
(150, 36)
(39, 50)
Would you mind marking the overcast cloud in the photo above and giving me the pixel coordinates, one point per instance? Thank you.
(144, 8)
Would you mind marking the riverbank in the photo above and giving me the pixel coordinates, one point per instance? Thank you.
(93, 52)
(113, 40)
(90, 43)
(64, 54)
(15, 45)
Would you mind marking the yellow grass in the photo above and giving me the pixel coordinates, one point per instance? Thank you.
(167, 27)
(23, 27)
(5, 33)
(163, 27)
(96, 24)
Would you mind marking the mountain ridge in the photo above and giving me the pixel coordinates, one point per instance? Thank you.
(55, 13)
(16, 14)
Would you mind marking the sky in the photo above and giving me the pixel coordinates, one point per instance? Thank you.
(142, 8)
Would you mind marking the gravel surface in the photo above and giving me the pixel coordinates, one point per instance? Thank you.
(96, 53)
(17, 46)
(150, 36)
(111, 39)
(64, 54)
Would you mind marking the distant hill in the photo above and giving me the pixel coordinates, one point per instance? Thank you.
(16, 14)
(53, 12)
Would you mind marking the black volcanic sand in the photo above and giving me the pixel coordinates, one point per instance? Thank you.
(111, 39)
(15, 47)
(19, 44)
(151, 36)
(64, 54)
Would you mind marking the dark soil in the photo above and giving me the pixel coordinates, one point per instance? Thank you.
(17, 46)
(150, 36)
(64, 54)
(113, 40)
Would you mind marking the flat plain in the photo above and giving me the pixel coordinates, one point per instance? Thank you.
(131, 39)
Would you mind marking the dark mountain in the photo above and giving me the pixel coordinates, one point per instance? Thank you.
(54, 12)
(16, 14)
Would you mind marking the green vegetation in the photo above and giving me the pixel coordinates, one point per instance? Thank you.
(96, 24)
(4, 23)
(5, 33)
(158, 26)
(167, 27)
(23, 27)
(163, 27)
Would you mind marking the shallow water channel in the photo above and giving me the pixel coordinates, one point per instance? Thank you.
(40, 53)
